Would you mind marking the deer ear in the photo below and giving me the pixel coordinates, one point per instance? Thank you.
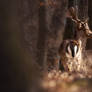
(68, 14)
(73, 12)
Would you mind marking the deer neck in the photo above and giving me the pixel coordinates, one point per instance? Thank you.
(80, 35)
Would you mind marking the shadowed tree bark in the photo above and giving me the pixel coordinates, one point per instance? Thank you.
(83, 9)
(16, 63)
(55, 17)
(69, 27)
(89, 43)
(46, 24)
(27, 32)
(42, 35)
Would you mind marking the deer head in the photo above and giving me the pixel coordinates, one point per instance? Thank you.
(81, 25)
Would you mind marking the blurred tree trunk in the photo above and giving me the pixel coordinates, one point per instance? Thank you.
(42, 35)
(89, 43)
(30, 36)
(83, 9)
(56, 20)
(18, 73)
(69, 27)
(43, 29)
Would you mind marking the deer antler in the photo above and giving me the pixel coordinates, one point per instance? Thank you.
(81, 25)
(72, 13)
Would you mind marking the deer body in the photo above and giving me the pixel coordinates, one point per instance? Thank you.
(82, 62)
(83, 32)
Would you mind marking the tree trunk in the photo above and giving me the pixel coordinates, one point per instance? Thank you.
(18, 71)
(83, 9)
(55, 16)
(89, 42)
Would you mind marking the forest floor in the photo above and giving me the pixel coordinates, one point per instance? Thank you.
(57, 81)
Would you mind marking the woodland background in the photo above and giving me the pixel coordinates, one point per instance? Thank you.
(31, 32)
